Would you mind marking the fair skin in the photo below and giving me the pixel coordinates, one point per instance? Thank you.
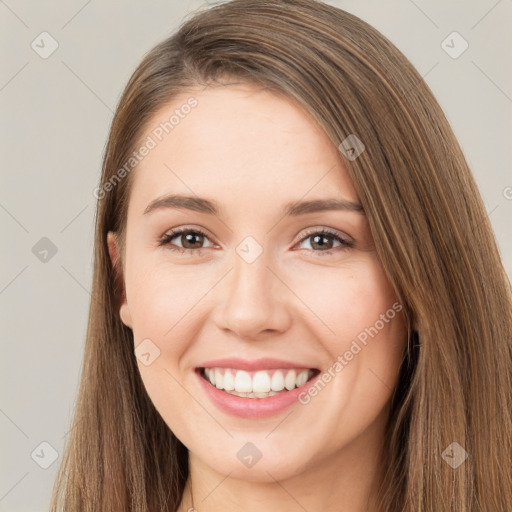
(252, 152)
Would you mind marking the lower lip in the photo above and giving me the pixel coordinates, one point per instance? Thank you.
(252, 407)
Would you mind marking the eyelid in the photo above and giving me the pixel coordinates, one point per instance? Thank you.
(322, 229)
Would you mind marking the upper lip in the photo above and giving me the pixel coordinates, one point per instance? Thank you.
(265, 363)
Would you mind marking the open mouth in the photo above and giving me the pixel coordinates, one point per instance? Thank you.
(257, 384)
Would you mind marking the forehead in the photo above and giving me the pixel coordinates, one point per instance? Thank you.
(238, 144)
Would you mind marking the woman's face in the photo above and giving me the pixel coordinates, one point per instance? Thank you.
(253, 291)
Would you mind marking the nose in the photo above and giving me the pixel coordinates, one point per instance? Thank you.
(253, 301)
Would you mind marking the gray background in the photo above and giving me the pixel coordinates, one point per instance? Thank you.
(55, 118)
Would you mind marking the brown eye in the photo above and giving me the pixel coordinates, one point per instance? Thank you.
(188, 240)
(322, 242)
(191, 240)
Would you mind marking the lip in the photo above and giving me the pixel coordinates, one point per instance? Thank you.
(252, 408)
(256, 364)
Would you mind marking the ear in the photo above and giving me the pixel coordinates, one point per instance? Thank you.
(113, 250)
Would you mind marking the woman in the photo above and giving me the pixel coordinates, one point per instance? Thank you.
(298, 301)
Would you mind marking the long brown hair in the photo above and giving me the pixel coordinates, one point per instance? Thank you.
(431, 232)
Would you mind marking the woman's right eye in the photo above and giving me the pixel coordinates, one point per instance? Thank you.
(188, 236)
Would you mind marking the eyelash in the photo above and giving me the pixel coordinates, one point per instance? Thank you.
(166, 241)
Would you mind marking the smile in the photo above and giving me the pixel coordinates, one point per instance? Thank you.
(257, 384)
(254, 388)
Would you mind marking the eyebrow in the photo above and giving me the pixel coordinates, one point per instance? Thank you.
(293, 208)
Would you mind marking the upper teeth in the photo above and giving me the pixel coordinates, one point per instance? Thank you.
(261, 381)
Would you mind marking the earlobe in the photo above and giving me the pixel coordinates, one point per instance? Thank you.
(113, 251)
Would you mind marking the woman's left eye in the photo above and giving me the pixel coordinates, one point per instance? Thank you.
(192, 240)
(319, 237)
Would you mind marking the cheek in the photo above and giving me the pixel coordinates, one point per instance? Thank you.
(346, 302)
(162, 301)
(161, 296)
(363, 333)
